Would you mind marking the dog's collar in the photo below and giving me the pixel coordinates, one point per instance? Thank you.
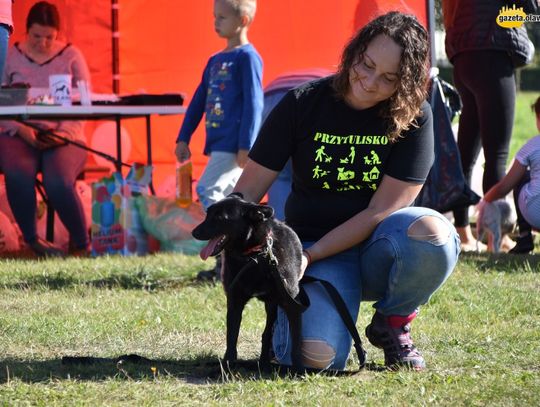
(261, 251)
(255, 249)
(265, 247)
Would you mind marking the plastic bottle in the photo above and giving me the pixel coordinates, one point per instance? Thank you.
(183, 184)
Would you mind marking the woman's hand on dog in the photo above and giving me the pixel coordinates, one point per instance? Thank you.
(306, 261)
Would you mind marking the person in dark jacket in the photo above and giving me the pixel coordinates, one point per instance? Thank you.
(485, 56)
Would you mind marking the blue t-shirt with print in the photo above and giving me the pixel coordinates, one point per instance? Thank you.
(231, 97)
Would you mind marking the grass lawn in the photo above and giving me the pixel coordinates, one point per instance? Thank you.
(524, 121)
(480, 336)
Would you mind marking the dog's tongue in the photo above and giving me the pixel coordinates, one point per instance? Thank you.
(208, 250)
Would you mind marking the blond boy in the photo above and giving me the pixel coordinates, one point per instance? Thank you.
(230, 96)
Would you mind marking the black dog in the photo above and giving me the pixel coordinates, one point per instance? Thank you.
(261, 258)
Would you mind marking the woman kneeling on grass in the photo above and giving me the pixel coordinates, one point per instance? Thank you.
(361, 143)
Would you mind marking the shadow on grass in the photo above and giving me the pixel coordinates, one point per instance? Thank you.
(132, 367)
(503, 262)
(136, 281)
(201, 370)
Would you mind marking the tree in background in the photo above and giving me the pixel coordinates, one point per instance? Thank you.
(533, 30)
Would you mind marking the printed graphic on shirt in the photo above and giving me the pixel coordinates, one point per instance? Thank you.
(335, 163)
(220, 76)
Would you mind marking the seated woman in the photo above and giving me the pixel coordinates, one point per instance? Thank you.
(23, 150)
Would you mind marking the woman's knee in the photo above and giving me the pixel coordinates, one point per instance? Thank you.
(58, 186)
(430, 229)
(440, 259)
(317, 353)
(20, 177)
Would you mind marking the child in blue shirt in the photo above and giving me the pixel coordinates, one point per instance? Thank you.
(231, 97)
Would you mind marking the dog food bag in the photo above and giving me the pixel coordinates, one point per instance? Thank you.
(116, 223)
(170, 224)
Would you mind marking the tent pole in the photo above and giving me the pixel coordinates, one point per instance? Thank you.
(115, 47)
(430, 4)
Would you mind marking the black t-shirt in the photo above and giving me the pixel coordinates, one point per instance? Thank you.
(339, 155)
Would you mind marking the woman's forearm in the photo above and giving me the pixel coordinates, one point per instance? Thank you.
(391, 196)
(255, 181)
(348, 234)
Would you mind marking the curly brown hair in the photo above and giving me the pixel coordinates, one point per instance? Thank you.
(403, 107)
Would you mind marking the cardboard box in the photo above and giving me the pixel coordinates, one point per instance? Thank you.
(116, 223)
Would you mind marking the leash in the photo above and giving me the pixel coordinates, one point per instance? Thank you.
(301, 302)
(344, 314)
(251, 263)
(75, 143)
(265, 254)
(264, 248)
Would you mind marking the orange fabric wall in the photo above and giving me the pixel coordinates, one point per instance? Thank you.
(172, 55)
(164, 45)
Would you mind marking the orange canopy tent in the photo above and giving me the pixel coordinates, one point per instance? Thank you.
(163, 45)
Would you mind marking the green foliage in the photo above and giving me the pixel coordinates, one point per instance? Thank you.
(524, 121)
(533, 29)
(480, 335)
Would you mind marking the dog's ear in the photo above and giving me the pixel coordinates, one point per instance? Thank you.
(260, 213)
(236, 195)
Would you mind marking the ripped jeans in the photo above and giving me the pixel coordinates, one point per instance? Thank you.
(399, 267)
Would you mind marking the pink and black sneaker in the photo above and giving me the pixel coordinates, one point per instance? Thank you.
(392, 335)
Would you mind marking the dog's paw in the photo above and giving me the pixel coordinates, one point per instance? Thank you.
(230, 356)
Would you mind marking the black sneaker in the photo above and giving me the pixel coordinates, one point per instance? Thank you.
(396, 343)
(212, 275)
(524, 245)
(208, 275)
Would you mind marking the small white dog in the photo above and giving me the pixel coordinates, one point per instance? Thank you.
(495, 218)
